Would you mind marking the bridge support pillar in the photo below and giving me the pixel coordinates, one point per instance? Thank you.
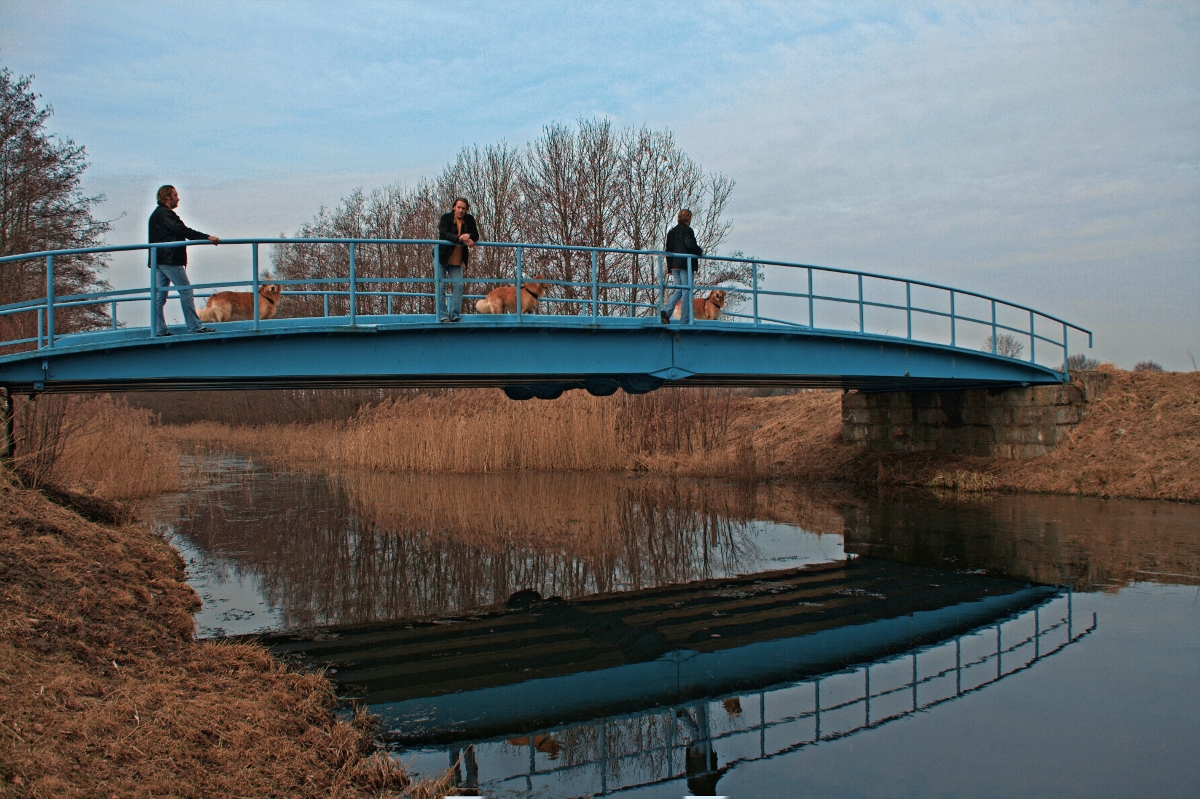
(991, 422)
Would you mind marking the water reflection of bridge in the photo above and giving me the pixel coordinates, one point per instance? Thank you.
(639, 687)
(702, 740)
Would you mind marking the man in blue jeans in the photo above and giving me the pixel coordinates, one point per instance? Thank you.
(165, 225)
(681, 239)
(459, 227)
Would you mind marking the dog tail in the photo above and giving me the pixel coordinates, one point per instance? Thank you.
(483, 306)
(207, 314)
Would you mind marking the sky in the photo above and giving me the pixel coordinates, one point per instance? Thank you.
(1044, 153)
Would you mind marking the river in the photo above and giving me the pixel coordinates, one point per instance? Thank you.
(561, 635)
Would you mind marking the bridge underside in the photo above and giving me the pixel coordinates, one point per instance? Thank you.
(541, 356)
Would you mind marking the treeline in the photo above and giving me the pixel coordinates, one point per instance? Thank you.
(589, 185)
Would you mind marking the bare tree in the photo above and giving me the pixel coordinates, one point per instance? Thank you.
(43, 208)
(1006, 345)
(587, 185)
(1147, 366)
(1081, 363)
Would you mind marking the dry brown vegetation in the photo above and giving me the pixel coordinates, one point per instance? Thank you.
(103, 691)
(97, 445)
(1141, 439)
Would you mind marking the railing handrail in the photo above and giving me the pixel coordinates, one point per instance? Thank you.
(535, 246)
(752, 287)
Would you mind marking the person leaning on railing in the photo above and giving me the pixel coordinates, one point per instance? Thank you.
(681, 239)
(165, 225)
(459, 227)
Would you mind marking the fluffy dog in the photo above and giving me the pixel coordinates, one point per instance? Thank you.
(708, 308)
(504, 299)
(233, 306)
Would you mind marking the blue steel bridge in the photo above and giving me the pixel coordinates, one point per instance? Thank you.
(784, 324)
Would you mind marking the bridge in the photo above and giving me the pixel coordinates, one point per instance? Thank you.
(596, 329)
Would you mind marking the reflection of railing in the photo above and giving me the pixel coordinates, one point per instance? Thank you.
(877, 303)
(789, 718)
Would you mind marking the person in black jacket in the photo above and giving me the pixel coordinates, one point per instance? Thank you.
(459, 227)
(165, 225)
(681, 239)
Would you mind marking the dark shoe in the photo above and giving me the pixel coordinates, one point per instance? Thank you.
(666, 319)
(202, 329)
(455, 318)
(163, 333)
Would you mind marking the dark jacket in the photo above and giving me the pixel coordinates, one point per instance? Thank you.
(681, 239)
(165, 225)
(448, 231)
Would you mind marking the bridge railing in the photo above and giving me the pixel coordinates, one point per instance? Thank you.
(760, 293)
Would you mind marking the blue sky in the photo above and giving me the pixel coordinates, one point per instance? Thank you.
(1046, 153)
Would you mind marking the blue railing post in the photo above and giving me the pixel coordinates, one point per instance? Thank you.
(114, 315)
(662, 285)
(153, 291)
(50, 301)
(1032, 339)
(953, 322)
(595, 286)
(254, 280)
(754, 289)
(993, 327)
(520, 267)
(862, 322)
(812, 322)
(40, 334)
(353, 282)
(692, 264)
(437, 283)
(326, 304)
(908, 306)
(1066, 358)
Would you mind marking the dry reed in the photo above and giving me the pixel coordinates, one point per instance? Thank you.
(1139, 439)
(97, 445)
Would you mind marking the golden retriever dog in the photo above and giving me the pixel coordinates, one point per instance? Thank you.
(234, 306)
(504, 299)
(708, 308)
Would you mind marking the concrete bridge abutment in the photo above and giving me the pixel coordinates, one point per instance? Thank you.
(1017, 422)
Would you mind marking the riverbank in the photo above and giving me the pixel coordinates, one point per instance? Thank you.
(1140, 439)
(103, 691)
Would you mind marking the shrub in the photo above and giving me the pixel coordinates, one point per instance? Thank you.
(1081, 363)
(1146, 366)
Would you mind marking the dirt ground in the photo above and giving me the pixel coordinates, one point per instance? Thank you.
(103, 692)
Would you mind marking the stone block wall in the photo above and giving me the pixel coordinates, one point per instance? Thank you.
(1020, 422)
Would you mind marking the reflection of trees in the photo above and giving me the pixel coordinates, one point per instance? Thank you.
(1092, 543)
(368, 546)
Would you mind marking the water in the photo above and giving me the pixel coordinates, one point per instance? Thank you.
(577, 635)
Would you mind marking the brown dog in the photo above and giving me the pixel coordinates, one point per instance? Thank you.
(504, 299)
(709, 308)
(233, 306)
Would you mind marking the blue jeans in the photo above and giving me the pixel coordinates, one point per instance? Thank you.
(178, 276)
(454, 274)
(682, 292)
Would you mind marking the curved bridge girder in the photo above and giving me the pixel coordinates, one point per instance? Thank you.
(539, 356)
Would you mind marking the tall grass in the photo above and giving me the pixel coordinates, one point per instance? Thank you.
(95, 444)
(482, 431)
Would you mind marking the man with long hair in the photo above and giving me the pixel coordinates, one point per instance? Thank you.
(457, 226)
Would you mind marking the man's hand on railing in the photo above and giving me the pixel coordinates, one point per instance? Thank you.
(214, 240)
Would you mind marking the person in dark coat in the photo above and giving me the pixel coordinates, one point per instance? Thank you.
(681, 239)
(165, 225)
(459, 227)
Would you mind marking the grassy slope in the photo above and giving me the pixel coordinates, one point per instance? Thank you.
(103, 691)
